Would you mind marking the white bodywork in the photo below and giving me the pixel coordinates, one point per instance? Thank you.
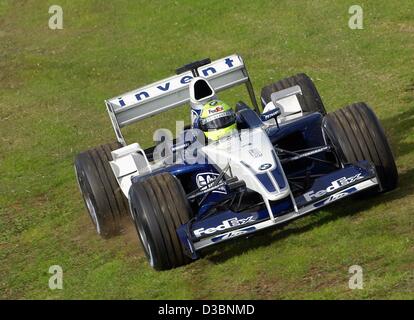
(127, 162)
(249, 153)
(246, 152)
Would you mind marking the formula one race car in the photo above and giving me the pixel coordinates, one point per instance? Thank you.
(277, 165)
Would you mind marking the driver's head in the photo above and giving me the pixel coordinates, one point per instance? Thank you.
(217, 119)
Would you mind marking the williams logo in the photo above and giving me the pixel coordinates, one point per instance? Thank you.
(206, 179)
(336, 184)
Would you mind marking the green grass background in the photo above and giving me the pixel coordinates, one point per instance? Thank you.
(52, 87)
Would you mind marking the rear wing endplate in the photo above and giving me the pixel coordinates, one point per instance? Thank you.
(172, 92)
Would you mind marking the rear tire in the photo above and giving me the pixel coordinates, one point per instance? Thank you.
(310, 100)
(104, 200)
(357, 134)
(159, 206)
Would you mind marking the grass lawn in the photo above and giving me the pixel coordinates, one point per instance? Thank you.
(52, 87)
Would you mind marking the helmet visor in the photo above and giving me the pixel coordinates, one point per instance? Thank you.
(218, 121)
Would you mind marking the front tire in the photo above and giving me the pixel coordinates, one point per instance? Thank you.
(357, 134)
(159, 206)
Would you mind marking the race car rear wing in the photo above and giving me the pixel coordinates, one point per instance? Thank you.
(172, 92)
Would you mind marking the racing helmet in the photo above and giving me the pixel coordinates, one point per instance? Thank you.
(217, 119)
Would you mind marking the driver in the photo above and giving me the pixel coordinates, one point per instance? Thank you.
(217, 120)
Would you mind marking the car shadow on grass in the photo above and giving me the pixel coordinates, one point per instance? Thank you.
(398, 129)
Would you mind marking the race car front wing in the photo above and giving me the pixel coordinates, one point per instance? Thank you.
(325, 190)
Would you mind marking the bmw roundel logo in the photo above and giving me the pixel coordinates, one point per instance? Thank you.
(265, 166)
